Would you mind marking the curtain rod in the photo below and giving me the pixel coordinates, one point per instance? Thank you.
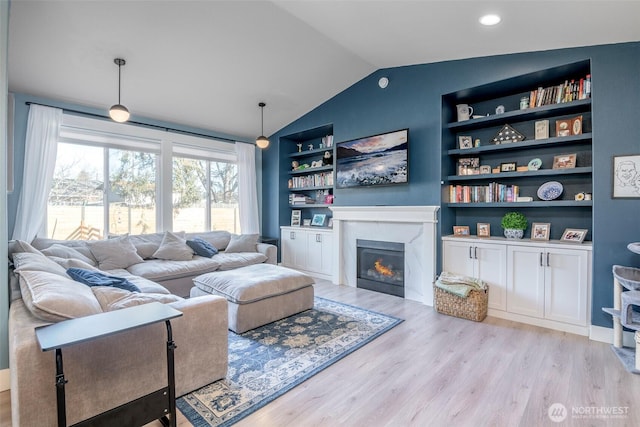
(167, 129)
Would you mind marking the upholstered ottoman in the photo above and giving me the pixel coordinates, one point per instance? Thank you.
(258, 294)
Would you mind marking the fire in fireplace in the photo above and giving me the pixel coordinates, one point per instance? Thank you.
(380, 266)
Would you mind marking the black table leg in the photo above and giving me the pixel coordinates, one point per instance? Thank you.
(60, 382)
(171, 346)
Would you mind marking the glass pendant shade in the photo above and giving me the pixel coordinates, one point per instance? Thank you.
(262, 142)
(119, 113)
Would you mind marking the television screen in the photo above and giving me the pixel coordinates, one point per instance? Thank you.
(374, 160)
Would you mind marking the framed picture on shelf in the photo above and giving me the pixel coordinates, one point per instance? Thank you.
(465, 142)
(306, 222)
(540, 230)
(573, 235)
(626, 179)
(576, 126)
(330, 223)
(542, 129)
(469, 166)
(485, 169)
(460, 230)
(295, 217)
(508, 167)
(563, 127)
(564, 161)
(483, 229)
(318, 220)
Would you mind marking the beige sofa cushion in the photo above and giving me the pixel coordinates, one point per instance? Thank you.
(253, 283)
(145, 285)
(146, 244)
(54, 298)
(230, 261)
(114, 253)
(111, 298)
(16, 246)
(242, 243)
(162, 270)
(30, 261)
(219, 238)
(173, 247)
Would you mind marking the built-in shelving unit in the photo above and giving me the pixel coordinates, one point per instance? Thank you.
(562, 212)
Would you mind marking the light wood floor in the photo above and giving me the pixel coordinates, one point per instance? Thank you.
(436, 370)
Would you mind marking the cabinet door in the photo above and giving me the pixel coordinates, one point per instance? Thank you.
(327, 254)
(294, 248)
(566, 285)
(491, 268)
(457, 257)
(319, 246)
(525, 280)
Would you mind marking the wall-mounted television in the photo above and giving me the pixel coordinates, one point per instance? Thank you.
(374, 160)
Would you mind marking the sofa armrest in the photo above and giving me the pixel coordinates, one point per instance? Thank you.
(271, 251)
(133, 362)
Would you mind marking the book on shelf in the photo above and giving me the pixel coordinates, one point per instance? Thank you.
(327, 141)
(570, 90)
(300, 199)
(312, 180)
(491, 193)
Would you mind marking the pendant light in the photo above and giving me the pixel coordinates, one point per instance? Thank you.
(119, 112)
(262, 141)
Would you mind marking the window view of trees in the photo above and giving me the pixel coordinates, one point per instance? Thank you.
(204, 193)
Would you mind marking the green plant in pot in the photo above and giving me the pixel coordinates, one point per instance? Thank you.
(514, 224)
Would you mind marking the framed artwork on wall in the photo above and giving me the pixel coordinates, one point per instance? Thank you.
(626, 177)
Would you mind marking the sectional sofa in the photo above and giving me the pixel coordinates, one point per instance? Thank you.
(108, 372)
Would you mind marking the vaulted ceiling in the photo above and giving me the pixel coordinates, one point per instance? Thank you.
(207, 64)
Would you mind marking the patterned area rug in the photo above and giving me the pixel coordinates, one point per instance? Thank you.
(266, 362)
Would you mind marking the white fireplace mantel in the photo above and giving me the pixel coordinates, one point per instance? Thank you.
(415, 226)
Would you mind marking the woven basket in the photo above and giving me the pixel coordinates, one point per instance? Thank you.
(473, 307)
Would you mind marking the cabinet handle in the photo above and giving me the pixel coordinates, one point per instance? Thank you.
(548, 265)
(292, 235)
(475, 252)
(541, 264)
(470, 257)
(319, 238)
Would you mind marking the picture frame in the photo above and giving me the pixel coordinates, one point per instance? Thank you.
(626, 177)
(542, 129)
(508, 167)
(318, 220)
(576, 126)
(564, 161)
(306, 222)
(465, 142)
(295, 217)
(469, 166)
(573, 235)
(330, 223)
(483, 229)
(540, 230)
(563, 127)
(485, 169)
(461, 230)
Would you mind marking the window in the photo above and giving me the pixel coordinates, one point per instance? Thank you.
(205, 195)
(109, 178)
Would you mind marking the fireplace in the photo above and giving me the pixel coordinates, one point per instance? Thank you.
(380, 266)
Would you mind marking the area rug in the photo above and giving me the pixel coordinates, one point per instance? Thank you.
(266, 362)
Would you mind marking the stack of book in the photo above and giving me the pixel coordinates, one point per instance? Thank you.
(315, 180)
(327, 141)
(300, 199)
(570, 90)
(493, 192)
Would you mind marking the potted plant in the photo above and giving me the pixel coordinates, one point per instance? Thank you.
(514, 224)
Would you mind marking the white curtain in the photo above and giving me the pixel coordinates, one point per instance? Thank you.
(247, 192)
(41, 146)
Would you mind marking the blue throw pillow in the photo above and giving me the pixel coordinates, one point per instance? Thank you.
(202, 247)
(97, 278)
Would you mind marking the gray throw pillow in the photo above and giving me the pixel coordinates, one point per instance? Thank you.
(115, 253)
(173, 247)
(242, 243)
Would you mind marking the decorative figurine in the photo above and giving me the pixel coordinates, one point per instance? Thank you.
(295, 164)
(299, 148)
(327, 159)
(310, 146)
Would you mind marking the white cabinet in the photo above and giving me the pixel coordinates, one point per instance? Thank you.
(308, 250)
(549, 283)
(485, 261)
(541, 283)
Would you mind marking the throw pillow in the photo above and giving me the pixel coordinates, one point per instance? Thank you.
(16, 246)
(202, 247)
(115, 253)
(242, 243)
(29, 261)
(98, 278)
(62, 251)
(173, 248)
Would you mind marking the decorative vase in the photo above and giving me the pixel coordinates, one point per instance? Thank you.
(513, 233)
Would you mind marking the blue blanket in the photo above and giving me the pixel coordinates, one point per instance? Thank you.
(97, 278)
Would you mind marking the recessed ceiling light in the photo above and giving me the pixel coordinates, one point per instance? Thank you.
(490, 19)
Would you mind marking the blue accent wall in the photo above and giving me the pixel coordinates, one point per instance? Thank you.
(413, 100)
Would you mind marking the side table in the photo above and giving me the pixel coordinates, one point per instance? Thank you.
(156, 405)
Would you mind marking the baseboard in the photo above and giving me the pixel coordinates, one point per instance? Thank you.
(602, 334)
(5, 381)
